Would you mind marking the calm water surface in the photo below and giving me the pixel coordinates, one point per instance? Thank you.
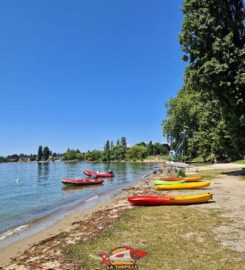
(32, 190)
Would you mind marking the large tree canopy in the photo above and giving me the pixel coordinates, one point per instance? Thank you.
(203, 121)
(212, 38)
(211, 104)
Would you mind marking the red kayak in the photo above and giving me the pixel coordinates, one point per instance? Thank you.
(149, 200)
(98, 174)
(170, 200)
(81, 182)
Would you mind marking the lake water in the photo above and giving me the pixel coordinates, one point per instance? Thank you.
(29, 191)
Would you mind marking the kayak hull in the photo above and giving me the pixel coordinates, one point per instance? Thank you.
(81, 182)
(186, 179)
(170, 200)
(98, 174)
(183, 186)
(162, 182)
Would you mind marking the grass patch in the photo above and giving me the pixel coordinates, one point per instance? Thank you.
(164, 157)
(198, 159)
(175, 237)
(242, 161)
(242, 177)
(201, 164)
(211, 174)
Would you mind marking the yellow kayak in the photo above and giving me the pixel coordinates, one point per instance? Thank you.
(183, 186)
(170, 200)
(201, 198)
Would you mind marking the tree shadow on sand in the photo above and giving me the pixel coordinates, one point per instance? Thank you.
(235, 173)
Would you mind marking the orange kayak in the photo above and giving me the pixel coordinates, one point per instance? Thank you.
(186, 179)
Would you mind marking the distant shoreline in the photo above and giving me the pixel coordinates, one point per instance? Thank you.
(85, 161)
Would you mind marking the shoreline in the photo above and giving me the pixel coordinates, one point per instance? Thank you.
(58, 212)
(155, 160)
(39, 224)
(42, 247)
(55, 223)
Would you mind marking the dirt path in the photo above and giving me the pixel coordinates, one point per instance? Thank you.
(229, 196)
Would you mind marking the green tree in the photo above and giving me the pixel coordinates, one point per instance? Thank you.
(2, 159)
(150, 148)
(212, 39)
(70, 154)
(33, 157)
(46, 153)
(107, 151)
(158, 148)
(94, 155)
(136, 153)
(40, 153)
(164, 149)
(206, 129)
(13, 158)
(112, 145)
(119, 152)
(80, 156)
(124, 142)
(142, 144)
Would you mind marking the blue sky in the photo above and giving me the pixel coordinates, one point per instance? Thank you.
(76, 73)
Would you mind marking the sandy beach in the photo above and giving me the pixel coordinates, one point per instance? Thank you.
(42, 251)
